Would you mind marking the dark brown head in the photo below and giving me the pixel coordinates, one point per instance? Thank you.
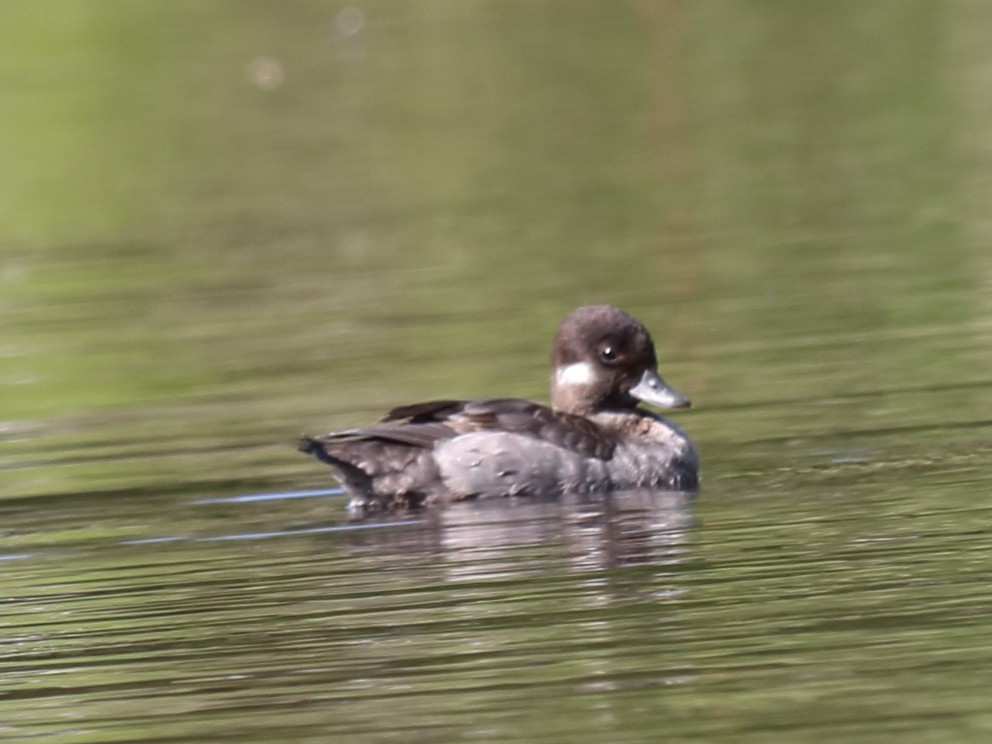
(603, 358)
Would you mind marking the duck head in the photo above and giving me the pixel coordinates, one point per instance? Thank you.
(602, 359)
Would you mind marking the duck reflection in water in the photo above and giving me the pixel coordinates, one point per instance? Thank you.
(517, 538)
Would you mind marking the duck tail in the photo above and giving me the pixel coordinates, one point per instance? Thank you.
(356, 481)
(308, 445)
(312, 446)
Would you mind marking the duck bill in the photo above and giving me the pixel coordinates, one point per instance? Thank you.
(652, 389)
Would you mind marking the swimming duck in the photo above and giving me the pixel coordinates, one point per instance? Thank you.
(592, 438)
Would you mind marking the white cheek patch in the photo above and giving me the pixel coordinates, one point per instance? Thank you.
(579, 373)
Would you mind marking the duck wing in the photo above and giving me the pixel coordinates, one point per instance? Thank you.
(416, 435)
(425, 424)
(428, 411)
(441, 419)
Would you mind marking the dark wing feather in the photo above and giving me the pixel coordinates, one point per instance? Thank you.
(425, 424)
(417, 435)
(526, 417)
(432, 410)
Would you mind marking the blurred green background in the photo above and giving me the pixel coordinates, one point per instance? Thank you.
(222, 223)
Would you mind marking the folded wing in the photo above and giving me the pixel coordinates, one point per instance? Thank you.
(425, 424)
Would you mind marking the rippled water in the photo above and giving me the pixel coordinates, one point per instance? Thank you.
(833, 612)
(226, 223)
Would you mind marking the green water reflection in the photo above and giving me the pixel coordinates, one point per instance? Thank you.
(222, 223)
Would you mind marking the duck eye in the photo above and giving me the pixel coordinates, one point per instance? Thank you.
(607, 354)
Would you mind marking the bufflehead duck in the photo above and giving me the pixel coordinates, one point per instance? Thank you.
(592, 438)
